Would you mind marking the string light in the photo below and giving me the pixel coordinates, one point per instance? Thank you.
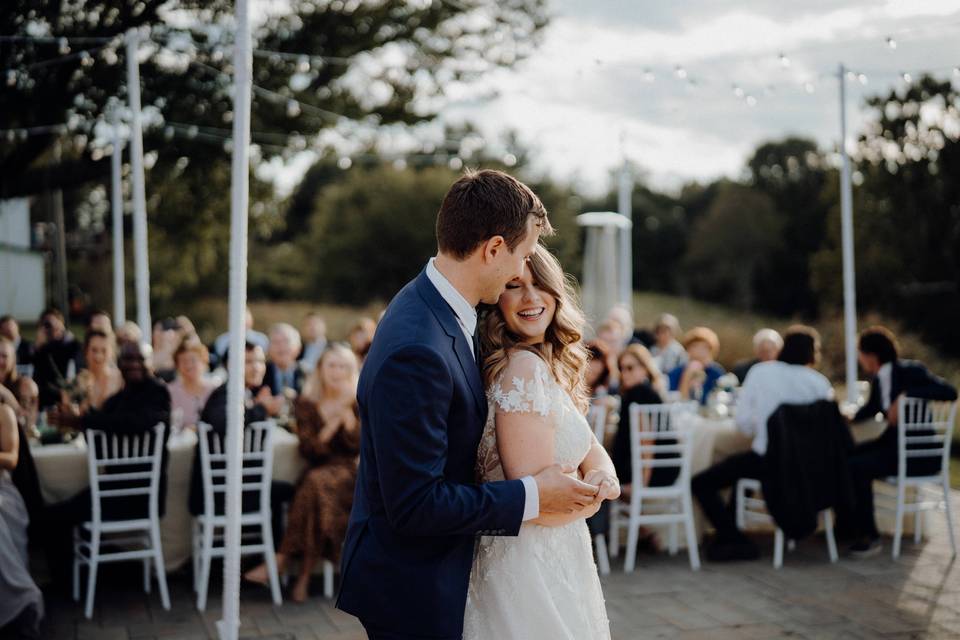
(906, 77)
(63, 46)
(891, 42)
(680, 72)
(751, 101)
(784, 60)
(344, 162)
(809, 87)
(862, 78)
(648, 75)
(738, 91)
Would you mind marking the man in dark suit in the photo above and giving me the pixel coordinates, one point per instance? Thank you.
(891, 378)
(143, 403)
(417, 509)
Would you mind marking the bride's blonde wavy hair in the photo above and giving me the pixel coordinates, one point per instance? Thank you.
(562, 347)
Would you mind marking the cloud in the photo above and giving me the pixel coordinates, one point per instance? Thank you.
(585, 87)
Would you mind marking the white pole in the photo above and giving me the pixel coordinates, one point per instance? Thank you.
(625, 208)
(846, 226)
(119, 294)
(239, 196)
(141, 262)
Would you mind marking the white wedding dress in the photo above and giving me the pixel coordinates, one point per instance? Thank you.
(542, 584)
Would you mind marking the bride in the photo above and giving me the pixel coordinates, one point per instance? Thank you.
(542, 584)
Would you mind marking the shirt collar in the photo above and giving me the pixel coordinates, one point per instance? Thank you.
(465, 312)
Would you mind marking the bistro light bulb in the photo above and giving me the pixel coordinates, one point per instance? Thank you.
(680, 72)
(891, 42)
(737, 91)
(303, 64)
(648, 75)
(293, 108)
(63, 46)
(784, 60)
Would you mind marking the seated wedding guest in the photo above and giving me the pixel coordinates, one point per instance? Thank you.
(283, 374)
(128, 332)
(696, 379)
(191, 388)
(138, 407)
(766, 347)
(21, 603)
(667, 350)
(791, 379)
(610, 335)
(165, 338)
(55, 358)
(601, 368)
(314, 334)
(10, 330)
(622, 316)
(259, 405)
(328, 425)
(223, 340)
(101, 379)
(361, 337)
(891, 377)
(9, 378)
(100, 321)
(16, 391)
(640, 383)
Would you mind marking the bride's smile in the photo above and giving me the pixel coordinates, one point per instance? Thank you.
(527, 309)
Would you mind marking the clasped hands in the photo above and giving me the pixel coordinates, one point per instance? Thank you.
(561, 493)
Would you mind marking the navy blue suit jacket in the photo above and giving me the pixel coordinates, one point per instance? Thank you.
(417, 508)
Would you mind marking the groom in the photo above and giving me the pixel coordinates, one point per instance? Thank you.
(417, 507)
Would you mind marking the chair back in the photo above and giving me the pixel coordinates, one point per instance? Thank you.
(658, 438)
(924, 430)
(257, 464)
(597, 417)
(124, 466)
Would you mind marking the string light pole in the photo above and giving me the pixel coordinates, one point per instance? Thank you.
(846, 229)
(239, 201)
(141, 262)
(116, 162)
(625, 208)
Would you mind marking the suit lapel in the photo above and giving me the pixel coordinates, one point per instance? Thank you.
(461, 348)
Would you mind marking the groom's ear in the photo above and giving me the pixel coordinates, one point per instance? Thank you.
(492, 247)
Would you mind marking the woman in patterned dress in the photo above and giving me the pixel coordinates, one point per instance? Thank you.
(328, 426)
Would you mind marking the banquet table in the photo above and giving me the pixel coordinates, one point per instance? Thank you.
(62, 470)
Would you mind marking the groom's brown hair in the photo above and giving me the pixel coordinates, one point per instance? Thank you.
(484, 204)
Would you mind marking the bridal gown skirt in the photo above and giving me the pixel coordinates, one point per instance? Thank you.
(540, 585)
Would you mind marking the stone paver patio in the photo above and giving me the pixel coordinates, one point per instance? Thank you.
(917, 596)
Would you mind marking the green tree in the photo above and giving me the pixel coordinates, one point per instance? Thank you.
(732, 245)
(793, 172)
(906, 213)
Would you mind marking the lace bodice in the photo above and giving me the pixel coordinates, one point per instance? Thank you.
(527, 386)
(541, 584)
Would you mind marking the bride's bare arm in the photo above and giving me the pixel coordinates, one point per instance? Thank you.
(597, 468)
(525, 443)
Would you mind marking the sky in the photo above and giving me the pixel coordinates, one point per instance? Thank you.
(607, 82)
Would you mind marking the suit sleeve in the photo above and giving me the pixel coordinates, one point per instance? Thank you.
(873, 406)
(409, 401)
(926, 385)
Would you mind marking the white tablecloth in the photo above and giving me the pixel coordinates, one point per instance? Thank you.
(62, 469)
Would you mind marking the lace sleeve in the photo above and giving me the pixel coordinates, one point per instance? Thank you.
(524, 386)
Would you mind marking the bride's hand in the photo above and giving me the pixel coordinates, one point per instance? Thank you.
(606, 481)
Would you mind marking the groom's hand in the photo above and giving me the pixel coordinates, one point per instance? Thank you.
(559, 493)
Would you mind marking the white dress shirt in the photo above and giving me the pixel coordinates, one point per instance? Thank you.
(770, 384)
(884, 376)
(466, 316)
